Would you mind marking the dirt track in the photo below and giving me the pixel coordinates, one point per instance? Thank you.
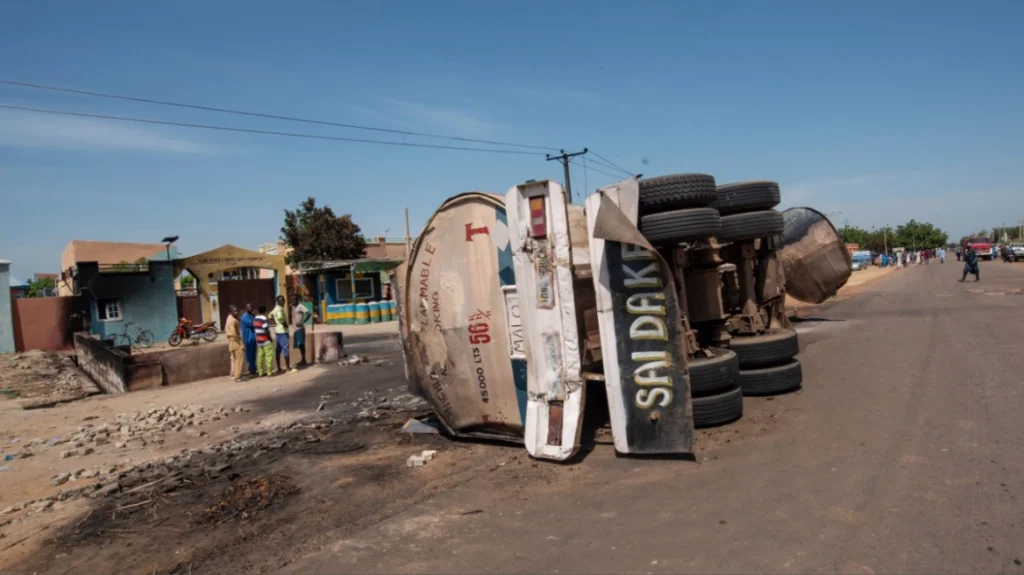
(898, 456)
(901, 455)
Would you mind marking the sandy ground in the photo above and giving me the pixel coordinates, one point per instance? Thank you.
(857, 281)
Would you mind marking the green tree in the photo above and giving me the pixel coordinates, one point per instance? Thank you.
(37, 287)
(187, 282)
(920, 235)
(854, 235)
(1013, 233)
(315, 233)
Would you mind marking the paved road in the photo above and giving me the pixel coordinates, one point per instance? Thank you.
(902, 454)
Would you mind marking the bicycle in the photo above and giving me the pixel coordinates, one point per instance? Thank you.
(143, 337)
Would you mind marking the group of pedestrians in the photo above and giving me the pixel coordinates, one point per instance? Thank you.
(920, 257)
(259, 339)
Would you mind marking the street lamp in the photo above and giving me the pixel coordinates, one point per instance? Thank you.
(167, 243)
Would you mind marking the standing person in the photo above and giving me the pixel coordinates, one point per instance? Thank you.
(300, 315)
(958, 253)
(281, 343)
(942, 255)
(265, 347)
(971, 264)
(249, 338)
(899, 260)
(233, 330)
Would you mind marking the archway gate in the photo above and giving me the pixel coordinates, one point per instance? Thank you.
(207, 264)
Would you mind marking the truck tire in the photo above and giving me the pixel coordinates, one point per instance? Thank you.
(772, 380)
(719, 409)
(680, 225)
(676, 191)
(747, 197)
(709, 375)
(774, 348)
(750, 225)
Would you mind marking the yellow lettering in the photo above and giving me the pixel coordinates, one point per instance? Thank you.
(645, 398)
(631, 252)
(640, 303)
(642, 278)
(648, 327)
(647, 374)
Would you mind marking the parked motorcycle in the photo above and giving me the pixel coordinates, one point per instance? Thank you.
(186, 330)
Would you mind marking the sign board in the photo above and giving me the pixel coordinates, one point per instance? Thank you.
(641, 330)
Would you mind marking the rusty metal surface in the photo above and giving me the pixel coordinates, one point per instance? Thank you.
(814, 258)
(453, 308)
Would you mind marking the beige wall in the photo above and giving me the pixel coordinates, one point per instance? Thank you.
(103, 253)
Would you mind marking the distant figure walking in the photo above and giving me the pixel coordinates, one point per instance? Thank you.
(971, 264)
(942, 255)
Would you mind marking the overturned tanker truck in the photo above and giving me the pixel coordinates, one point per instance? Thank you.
(655, 307)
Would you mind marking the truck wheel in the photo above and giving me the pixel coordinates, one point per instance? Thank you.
(681, 225)
(773, 348)
(747, 197)
(750, 225)
(718, 409)
(675, 192)
(772, 380)
(710, 375)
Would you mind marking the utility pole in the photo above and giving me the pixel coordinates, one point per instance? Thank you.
(408, 242)
(564, 158)
(885, 237)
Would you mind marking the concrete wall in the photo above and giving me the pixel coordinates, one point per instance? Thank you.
(103, 364)
(44, 323)
(147, 300)
(6, 320)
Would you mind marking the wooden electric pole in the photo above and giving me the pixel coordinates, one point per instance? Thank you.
(408, 241)
(564, 159)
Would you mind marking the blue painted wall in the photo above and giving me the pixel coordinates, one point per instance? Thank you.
(6, 321)
(147, 299)
(332, 287)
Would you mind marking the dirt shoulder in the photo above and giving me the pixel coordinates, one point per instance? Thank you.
(858, 281)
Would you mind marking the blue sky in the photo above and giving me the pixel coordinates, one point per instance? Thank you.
(884, 111)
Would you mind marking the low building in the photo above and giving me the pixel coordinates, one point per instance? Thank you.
(130, 297)
(337, 283)
(106, 254)
(19, 288)
(382, 248)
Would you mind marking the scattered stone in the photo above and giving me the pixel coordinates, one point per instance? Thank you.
(415, 461)
(68, 453)
(88, 451)
(13, 509)
(43, 505)
(107, 489)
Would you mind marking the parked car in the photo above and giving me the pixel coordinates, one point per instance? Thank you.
(1018, 249)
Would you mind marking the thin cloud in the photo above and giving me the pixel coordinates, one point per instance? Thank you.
(32, 130)
(454, 122)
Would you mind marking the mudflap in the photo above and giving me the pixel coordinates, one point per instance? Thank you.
(538, 226)
(641, 330)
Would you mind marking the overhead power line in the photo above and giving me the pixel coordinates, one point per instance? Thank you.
(267, 132)
(611, 164)
(593, 169)
(268, 116)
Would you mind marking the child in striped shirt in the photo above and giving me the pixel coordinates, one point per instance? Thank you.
(264, 347)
